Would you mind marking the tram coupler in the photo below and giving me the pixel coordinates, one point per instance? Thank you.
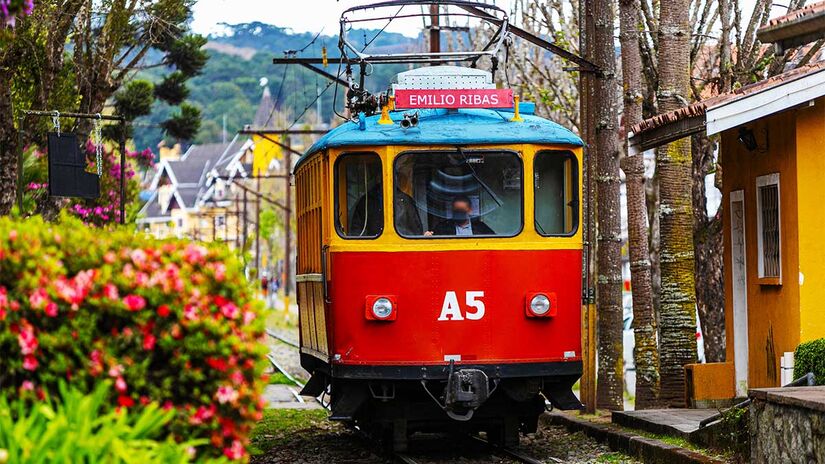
(467, 389)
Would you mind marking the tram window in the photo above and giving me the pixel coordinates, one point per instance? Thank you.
(556, 193)
(458, 194)
(359, 199)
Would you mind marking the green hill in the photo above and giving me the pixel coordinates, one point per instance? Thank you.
(242, 54)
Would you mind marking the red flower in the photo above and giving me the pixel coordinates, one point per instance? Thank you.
(134, 302)
(163, 311)
(30, 363)
(235, 451)
(125, 401)
(217, 364)
(51, 309)
(149, 342)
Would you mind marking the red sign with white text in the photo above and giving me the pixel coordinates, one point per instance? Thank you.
(453, 98)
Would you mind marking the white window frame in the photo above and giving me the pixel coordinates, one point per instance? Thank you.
(764, 181)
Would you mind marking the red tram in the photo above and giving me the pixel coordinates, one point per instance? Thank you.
(440, 262)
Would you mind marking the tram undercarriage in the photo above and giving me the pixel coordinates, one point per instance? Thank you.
(395, 402)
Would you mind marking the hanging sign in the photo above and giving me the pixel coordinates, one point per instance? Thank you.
(453, 98)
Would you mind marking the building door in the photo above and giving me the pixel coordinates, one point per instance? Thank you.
(739, 286)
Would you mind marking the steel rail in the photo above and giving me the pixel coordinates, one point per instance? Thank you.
(510, 452)
(405, 458)
(282, 339)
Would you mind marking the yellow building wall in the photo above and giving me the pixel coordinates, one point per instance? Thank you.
(773, 310)
(810, 168)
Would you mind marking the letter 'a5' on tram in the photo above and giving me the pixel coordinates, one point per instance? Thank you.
(440, 261)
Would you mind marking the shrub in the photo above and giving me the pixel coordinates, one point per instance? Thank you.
(80, 428)
(810, 357)
(170, 322)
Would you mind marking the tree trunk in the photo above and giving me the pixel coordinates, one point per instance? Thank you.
(677, 314)
(8, 145)
(707, 239)
(610, 387)
(645, 353)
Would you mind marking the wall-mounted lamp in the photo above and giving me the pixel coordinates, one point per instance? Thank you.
(747, 139)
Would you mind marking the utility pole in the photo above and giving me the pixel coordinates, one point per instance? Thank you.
(588, 381)
(245, 225)
(435, 30)
(288, 223)
(258, 226)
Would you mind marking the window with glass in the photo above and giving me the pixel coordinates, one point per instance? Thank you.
(359, 200)
(458, 193)
(556, 193)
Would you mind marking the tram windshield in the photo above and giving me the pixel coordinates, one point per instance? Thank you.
(458, 194)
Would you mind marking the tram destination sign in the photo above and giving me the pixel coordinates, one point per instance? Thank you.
(453, 98)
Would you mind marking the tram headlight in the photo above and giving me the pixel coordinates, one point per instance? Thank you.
(541, 305)
(381, 308)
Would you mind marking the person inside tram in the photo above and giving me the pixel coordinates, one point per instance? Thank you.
(462, 222)
(407, 219)
(368, 215)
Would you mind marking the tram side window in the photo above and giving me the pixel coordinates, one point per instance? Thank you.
(359, 200)
(556, 193)
(458, 194)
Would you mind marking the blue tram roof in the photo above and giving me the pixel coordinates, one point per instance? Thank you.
(449, 127)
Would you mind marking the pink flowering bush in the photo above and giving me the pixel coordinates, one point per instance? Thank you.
(10, 9)
(167, 322)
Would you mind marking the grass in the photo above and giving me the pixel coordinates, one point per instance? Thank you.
(278, 378)
(613, 458)
(278, 425)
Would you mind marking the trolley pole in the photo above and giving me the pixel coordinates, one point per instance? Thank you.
(435, 30)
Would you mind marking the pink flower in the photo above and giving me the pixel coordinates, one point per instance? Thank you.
(120, 385)
(236, 377)
(226, 394)
(234, 452)
(194, 254)
(190, 312)
(39, 298)
(27, 341)
(230, 311)
(51, 309)
(27, 385)
(110, 292)
(202, 415)
(220, 271)
(248, 316)
(29, 363)
(134, 302)
(115, 371)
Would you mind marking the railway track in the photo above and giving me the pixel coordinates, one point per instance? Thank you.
(397, 456)
(282, 339)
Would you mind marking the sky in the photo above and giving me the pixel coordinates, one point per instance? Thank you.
(314, 15)
(300, 15)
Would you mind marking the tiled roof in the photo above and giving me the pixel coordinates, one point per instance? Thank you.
(812, 9)
(700, 108)
(805, 25)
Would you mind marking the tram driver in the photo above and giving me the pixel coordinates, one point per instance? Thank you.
(462, 222)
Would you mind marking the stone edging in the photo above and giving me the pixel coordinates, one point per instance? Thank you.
(646, 449)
